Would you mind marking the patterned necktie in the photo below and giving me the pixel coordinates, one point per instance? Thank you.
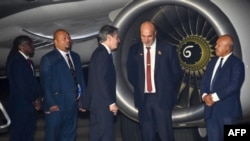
(73, 72)
(71, 66)
(148, 71)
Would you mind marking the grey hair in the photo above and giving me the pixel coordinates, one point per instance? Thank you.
(106, 30)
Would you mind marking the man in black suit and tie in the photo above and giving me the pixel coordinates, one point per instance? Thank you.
(220, 89)
(25, 93)
(100, 98)
(154, 71)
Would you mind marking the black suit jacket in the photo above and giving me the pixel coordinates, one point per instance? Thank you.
(24, 87)
(167, 74)
(101, 90)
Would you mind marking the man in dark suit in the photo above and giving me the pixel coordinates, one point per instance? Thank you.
(25, 91)
(155, 83)
(63, 86)
(220, 89)
(100, 98)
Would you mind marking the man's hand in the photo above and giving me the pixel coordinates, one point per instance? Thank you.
(37, 104)
(208, 100)
(82, 109)
(113, 108)
(54, 108)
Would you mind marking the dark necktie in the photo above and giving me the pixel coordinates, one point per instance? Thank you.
(216, 74)
(111, 56)
(30, 63)
(71, 67)
(73, 72)
(148, 71)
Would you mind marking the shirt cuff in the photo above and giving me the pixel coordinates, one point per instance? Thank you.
(215, 97)
(112, 104)
(204, 94)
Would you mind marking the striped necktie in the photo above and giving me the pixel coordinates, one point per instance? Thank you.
(73, 72)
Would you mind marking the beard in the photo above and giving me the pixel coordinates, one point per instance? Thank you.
(68, 48)
(31, 54)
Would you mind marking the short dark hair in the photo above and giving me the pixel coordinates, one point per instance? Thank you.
(106, 30)
(15, 45)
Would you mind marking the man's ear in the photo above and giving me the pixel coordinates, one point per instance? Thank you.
(20, 47)
(109, 37)
(55, 41)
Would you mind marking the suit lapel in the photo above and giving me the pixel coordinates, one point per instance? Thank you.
(141, 56)
(158, 52)
(60, 59)
(58, 54)
(229, 59)
(224, 66)
(211, 68)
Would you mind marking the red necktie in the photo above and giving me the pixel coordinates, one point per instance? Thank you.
(148, 71)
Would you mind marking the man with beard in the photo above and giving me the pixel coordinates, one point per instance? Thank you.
(154, 71)
(63, 85)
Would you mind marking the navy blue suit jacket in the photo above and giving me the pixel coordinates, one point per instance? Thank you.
(101, 90)
(227, 86)
(24, 87)
(57, 82)
(167, 74)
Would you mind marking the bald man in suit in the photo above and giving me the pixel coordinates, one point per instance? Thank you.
(63, 87)
(220, 89)
(155, 100)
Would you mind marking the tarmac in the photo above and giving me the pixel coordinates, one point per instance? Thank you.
(82, 130)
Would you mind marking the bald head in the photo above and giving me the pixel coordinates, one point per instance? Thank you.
(224, 45)
(228, 38)
(62, 40)
(148, 33)
(147, 26)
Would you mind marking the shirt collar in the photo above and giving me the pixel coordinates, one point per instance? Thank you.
(107, 48)
(225, 57)
(25, 56)
(63, 52)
